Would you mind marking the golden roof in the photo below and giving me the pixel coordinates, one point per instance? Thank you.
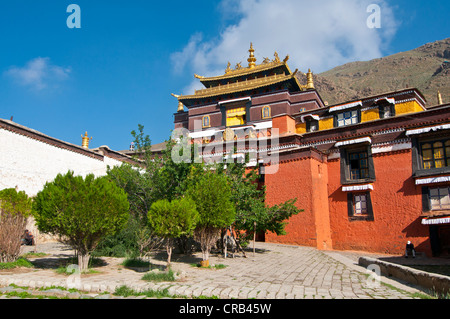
(241, 86)
(248, 84)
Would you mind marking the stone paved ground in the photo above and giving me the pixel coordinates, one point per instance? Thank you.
(275, 271)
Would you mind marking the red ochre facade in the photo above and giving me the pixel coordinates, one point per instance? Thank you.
(324, 222)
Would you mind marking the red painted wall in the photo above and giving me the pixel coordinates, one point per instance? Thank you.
(396, 202)
(293, 180)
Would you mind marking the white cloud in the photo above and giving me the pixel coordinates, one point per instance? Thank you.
(315, 34)
(38, 74)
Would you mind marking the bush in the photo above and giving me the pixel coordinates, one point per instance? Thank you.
(15, 207)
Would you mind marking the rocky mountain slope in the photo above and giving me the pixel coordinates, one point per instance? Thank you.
(426, 68)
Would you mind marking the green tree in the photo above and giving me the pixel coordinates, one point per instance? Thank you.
(81, 210)
(212, 195)
(173, 219)
(252, 214)
(15, 208)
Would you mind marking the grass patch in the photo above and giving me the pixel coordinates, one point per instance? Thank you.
(34, 255)
(135, 262)
(125, 291)
(217, 266)
(159, 276)
(21, 262)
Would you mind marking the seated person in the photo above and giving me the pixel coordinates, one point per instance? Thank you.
(27, 238)
(410, 250)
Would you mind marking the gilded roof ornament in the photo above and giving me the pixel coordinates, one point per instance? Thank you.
(180, 104)
(251, 59)
(228, 69)
(277, 58)
(198, 76)
(439, 96)
(85, 140)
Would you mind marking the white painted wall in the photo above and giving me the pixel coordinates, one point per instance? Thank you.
(29, 164)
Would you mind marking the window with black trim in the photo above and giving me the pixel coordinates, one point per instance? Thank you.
(435, 154)
(359, 206)
(312, 125)
(431, 156)
(357, 165)
(435, 198)
(386, 110)
(347, 118)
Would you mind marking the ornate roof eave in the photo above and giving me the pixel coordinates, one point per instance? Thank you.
(244, 87)
(244, 71)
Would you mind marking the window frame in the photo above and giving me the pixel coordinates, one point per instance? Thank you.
(345, 153)
(417, 155)
(336, 117)
(351, 206)
(311, 123)
(427, 198)
(382, 110)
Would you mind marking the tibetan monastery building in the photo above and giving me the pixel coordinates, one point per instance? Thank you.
(370, 174)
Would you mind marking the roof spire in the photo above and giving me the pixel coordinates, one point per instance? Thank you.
(85, 140)
(309, 80)
(251, 59)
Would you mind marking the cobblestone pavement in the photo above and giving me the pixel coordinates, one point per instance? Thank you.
(274, 271)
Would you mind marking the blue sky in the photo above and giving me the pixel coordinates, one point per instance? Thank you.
(119, 68)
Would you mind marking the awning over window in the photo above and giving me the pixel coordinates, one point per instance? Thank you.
(355, 141)
(313, 116)
(353, 188)
(431, 180)
(345, 106)
(436, 221)
(389, 100)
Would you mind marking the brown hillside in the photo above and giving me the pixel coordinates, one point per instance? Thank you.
(426, 68)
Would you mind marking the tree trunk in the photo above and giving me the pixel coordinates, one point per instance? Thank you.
(83, 261)
(169, 248)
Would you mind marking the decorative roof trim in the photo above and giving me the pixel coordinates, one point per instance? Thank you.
(428, 129)
(235, 100)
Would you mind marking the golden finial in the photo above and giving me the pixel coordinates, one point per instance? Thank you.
(85, 140)
(180, 104)
(228, 69)
(309, 80)
(180, 107)
(439, 96)
(251, 59)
